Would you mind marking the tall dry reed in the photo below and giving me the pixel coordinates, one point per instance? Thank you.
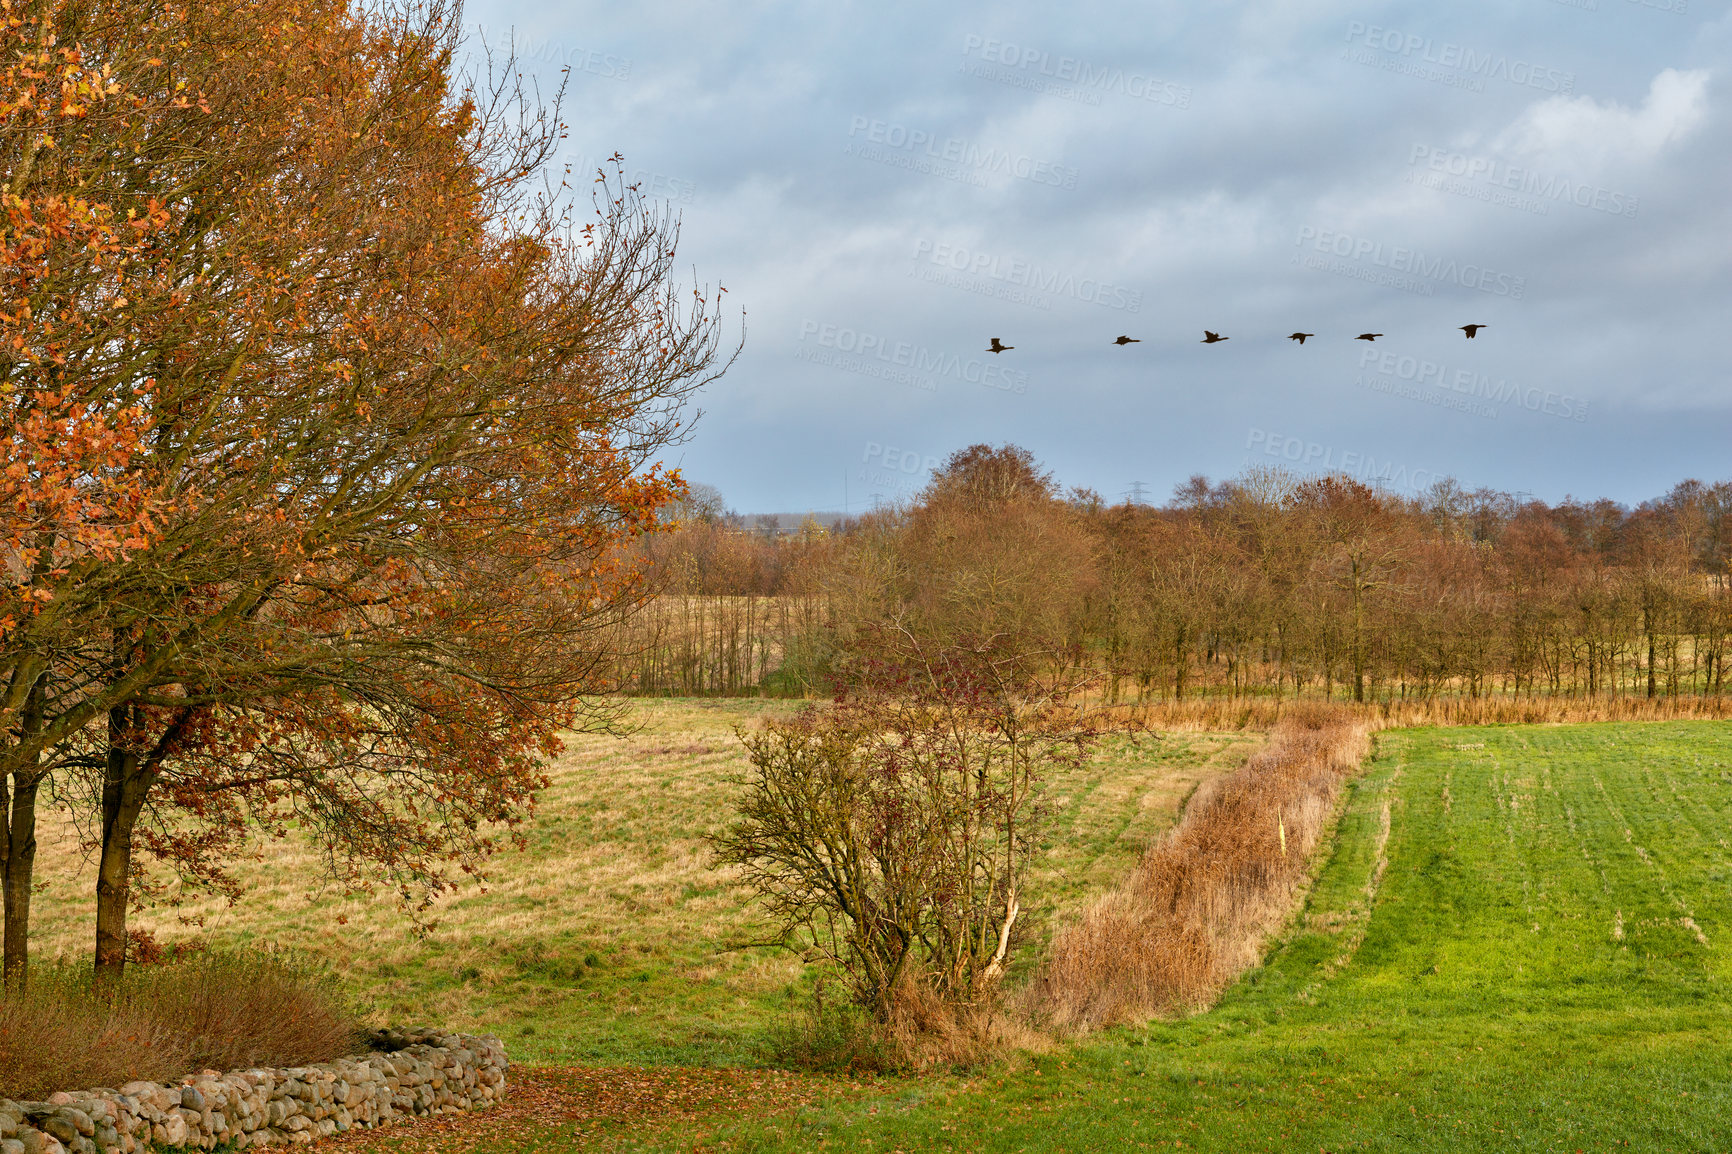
(1198, 908)
(1226, 713)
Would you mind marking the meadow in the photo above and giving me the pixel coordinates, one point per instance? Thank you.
(1518, 939)
(612, 939)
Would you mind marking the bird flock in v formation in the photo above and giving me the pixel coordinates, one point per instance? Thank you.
(1213, 338)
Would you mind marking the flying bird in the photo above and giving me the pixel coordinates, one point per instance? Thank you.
(1367, 336)
(1300, 337)
(999, 346)
(1472, 331)
(1210, 338)
(1128, 341)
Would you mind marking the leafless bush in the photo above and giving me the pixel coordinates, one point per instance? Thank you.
(889, 835)
(1198, 908)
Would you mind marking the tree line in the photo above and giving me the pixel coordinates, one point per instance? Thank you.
(1266, 585)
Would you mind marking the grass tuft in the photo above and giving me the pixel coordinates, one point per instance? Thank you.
(829, 1036)
(205, 1010)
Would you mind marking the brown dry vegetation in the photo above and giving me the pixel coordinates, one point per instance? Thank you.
(212, 1011)
(587, 1105)
(1218, 714)
(1199, 907)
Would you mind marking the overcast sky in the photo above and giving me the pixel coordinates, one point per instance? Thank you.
(883, 187)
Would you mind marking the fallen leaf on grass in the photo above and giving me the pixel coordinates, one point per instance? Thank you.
(589, 1099)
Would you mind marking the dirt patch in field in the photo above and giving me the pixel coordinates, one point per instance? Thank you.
(583, 1102)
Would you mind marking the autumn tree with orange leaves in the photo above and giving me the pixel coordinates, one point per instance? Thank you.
(324, 423)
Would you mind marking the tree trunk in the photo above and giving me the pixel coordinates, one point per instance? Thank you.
(20, 836)
(18, 844)
(1358, 646)
(127, 779)
(125, 783)
(1179, 664)
(1648, 628)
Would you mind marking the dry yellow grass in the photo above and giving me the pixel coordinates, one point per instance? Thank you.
(608, 939)
(1198, 908)
(1214, 714)
(67, 1031)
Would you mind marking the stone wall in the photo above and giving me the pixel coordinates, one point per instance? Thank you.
(412, 1073)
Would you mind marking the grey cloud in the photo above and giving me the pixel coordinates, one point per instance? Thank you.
(1457, 165)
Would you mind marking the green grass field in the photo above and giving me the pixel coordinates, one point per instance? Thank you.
(1522, 942)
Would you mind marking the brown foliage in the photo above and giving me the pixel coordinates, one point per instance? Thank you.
(1198, 908)
(1226, 713)
(590, 1104)
(332, 425)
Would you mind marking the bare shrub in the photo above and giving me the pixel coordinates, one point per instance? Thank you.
(70, 1031)
(239, 1010)
(1199, 906)
(889, 836)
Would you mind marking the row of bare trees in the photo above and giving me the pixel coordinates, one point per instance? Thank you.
(738, 612)
(1267, 585)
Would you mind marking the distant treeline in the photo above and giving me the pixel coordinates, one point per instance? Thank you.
(1266, 585)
